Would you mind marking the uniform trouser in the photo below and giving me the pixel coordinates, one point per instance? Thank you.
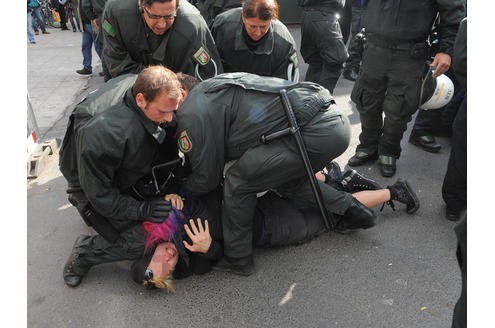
(279, 223)
(94, 250)
(278, 166)
(389, 83)
(322, 47)
(345, 21)
(355, 48)
(454, 188)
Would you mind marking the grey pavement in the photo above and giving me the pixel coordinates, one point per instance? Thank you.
(401, 273)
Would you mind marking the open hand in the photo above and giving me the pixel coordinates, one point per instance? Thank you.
(200, 237)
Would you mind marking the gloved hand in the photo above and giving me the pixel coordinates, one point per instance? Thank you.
(155, 210)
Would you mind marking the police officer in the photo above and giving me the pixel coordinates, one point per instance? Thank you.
(223, 118)
(113, 141)
(322, 46)
(454, 187)
(167, 32)
(252, 39)
(392, 69)
(210, 9)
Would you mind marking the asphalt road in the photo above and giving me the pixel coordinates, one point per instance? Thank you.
(401, 273)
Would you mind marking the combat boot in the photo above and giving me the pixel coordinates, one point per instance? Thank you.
(403, 193)
(332, 172)
(357, 216)
(74, 269)
(353, 181)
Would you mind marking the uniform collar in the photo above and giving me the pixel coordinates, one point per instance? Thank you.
(151, 127)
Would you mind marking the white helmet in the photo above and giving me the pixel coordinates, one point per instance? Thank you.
(435, 92)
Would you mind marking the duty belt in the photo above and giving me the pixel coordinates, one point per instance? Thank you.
(393, 44)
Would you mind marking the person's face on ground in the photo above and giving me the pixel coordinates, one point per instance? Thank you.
(164, 260)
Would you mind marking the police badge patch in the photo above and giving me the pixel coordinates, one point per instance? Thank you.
(184, 142)
(107, 27)
(201, 56)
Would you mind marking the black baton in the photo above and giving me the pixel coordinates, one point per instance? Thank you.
(328, 219)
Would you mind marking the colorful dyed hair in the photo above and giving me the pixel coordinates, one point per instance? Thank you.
(157, 233)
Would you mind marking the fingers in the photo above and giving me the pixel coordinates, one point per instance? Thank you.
(207, 227)
(188, 231)
(186, 245)
(200, 225)
(193, 226)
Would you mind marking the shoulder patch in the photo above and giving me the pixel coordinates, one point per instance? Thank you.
(201, 56)
(107, 27)
(293, 58)
(184, 142)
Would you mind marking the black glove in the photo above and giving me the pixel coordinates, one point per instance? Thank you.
(155, 210)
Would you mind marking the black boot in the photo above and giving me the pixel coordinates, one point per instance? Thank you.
(353, 181)
(74, 269)
(242, 266)
(332, 172)
(357, 216)
(403, 193)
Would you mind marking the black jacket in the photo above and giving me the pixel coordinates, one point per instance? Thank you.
(412, 20)
(187, 46)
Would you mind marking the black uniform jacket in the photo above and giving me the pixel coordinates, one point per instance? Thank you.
(226, 115)
(116, 149)
(412, 20)
(186, 47)
(271, 56)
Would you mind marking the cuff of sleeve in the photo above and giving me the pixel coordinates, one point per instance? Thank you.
(214, 251)
(447, 50)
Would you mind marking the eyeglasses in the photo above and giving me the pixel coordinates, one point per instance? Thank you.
(167, 17)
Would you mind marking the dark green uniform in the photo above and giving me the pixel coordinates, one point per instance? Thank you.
(129, 45)
(222, 119)
(109, 148)
(273, 55)
(393, 66)
(322, 46)
(209, 9)
(454, 187)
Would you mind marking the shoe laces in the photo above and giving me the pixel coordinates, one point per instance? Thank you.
(389, 203)
(353, 181)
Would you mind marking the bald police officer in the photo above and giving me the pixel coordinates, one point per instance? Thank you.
(223, 118)
(152, 32)
(251, 39)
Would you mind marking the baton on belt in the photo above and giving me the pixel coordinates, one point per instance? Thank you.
(293, 129)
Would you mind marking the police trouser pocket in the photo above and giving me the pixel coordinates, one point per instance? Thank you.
(335, 52)
(93, 219)
(419, 50)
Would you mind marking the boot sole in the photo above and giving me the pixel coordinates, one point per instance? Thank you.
(363, 161)
(420, 145)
